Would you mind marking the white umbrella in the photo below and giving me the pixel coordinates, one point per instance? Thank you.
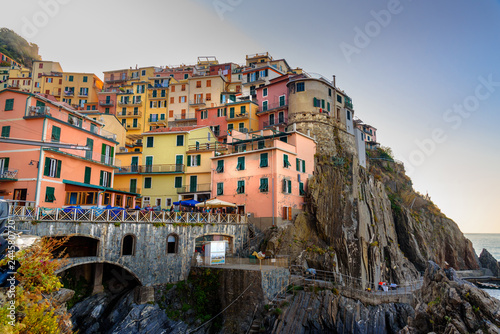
(216, 203)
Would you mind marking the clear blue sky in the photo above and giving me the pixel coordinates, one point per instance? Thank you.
(412, 68)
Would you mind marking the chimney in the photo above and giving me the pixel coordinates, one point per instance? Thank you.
(309, 132)
(294, 127)
(334, 82)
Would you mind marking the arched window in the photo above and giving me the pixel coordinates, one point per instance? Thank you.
(128, 245)
(172, 241)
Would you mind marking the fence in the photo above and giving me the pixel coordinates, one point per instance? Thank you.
(235, 261)
(119, 215)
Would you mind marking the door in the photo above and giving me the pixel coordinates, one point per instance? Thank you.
(271, 119)
(90, 144)
(149, 164)
(133, 185)
(20, 195)
(178, 163)
(193, 180)
(281, 117)
(134, 164)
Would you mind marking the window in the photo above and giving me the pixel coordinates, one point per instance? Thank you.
(85, 79)
(172, 100)
(241, 163)
(170, 113)
(6, 131)
(178, 182)
(107, 153)
(4, 165)
(209, 83)
(316, 102)
(172, 244)
(231, 112)
(264, 92)
(147, 183)
(49, 194)
(300, 87)
(329, 92)
(241, 126)
(128, 245)
(70, 78)
(281, 117)
(287, 186)
(263, 160)
(282, 100)
(183, 88)
(339, 99)
(88, 172)
(81, 198)
(323, 104)
(286, 163)
(180, 140)
(348, 115)
(220, 188)
(186, 76)
(149, 141)
(264, 185)
(220, 166)
(264, 105)
(271, 119)
(168, 202)
(52, 167)
(143, 72)
(328, 106)
(204, 114)
(230, 127)
(208, 97)
(105, 179)
(198, 84)
(300, 165)
(182, 99)
(9, 104)
(243, 110)
(194, 160)
(241, 187)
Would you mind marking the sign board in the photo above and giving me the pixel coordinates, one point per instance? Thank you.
(215, 252)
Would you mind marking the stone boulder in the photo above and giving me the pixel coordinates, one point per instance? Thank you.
(488, 261)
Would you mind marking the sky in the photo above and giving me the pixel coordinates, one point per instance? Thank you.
(426, 74)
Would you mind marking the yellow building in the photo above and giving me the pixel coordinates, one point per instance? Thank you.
(40, 71)
(18, 78)
(241, 116)
(129, 177)
(80, 89)
(177, 164)
(156, 110)
(178, 103)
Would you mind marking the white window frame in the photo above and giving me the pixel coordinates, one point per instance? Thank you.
(53, 168)
(145, 201)
(104, 179)
(264, 92)
(168, 202)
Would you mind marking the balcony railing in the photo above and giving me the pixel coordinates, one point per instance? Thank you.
(197, 102)
(8, 175)
(187, 116)
(129, 190)
(237, 116)
(82, 94)
(279, 121)
(130, 103)
(272, 107)
(215, 146)
(106, 103)
(348, 104)
(158, 96)
(89, 155)
(56, 92)
(69, 93)
(195, 188)
(27, 213)
(156, 120)
(38, 111)
(145, 169)
(129, 114)
(134, 126)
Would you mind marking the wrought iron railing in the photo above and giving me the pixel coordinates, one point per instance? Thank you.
(166, 168)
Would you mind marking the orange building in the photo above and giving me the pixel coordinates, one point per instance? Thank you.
(54, 177)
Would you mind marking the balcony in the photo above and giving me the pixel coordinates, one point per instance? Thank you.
(134, 127)
(126, 91)
(115, 80)
(83, 94)
(215, 146)
(237, 117)
(280, 121)
(129, 190)
(155, 120)
(56, 92)
(15, 85)
(8, 175)
(38, 111)
(69, 93)
(151, 96)
(273, 107)
(195, 188)
(130, 114)
(197, 102)
(348, 104)
(147, 169)
(185, 117)
(130, 103)
(107, 103)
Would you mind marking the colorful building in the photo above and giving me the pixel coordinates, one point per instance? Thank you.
(242, 116)
(50, 176)
(265, 174)
(176, 164)
(273, 103)
(19, 78)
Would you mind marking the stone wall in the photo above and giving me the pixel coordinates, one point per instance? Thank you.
(151, 264)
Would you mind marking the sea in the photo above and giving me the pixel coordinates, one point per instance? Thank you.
(490, 241)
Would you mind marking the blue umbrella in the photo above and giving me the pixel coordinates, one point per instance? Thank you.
(190, 202)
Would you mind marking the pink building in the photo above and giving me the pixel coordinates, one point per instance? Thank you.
(215, 117)
(273, 103)
(368, 134)
(265, 173)
(51, 176)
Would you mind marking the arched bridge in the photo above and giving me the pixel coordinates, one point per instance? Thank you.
(153, 247)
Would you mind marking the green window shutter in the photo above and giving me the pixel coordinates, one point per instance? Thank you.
(180, 140)
(133, 185)
(297, 163)
(303, 166)
(9, 104)
(198, 160)
(282, 101)
(178, 182)
(189, 160)
(231, 112)
(103, 153)
(301, 189)
(220, 166)
(58, 171)
(5, 163)
(263, 160)
(323, 104)
(40, 103)
(261, 144)
(46, 170)
(112, 152)
(314, 102)
(101, 178)
(328, 106)
(220, 188)
(264, 187)
(147, 182)
(88, 172)
(49, 194)
(56, 134)
(284, 186)
(243, 109)
(6, 131)
(150, 141)
(289, 186)
(109, 180)
(286, 163)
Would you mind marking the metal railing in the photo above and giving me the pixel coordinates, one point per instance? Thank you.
(117, 215)
(279, 121)
(106, 103)
(132, 126)
(186, 116)
(196, 102)
(38, 111)
(195, 188)
(272, 107)
(8, 174)
(133, 114)
(165, 168)
(151, 96)
(69, 93)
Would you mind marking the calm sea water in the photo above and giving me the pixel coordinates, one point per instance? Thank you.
(490, 241)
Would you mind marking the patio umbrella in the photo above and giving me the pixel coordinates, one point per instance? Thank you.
(216, 203)
(190, 202)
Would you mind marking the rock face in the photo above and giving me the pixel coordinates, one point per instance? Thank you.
(488, 261)
(447, 304)
(326, 312)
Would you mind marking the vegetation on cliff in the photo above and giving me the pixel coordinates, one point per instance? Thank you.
(17, 48)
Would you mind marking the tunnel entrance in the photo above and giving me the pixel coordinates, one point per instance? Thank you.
(76, 246)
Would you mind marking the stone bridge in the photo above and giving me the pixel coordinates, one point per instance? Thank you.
(153, 251)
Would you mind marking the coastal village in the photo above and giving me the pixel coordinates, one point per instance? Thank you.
(156, 137)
